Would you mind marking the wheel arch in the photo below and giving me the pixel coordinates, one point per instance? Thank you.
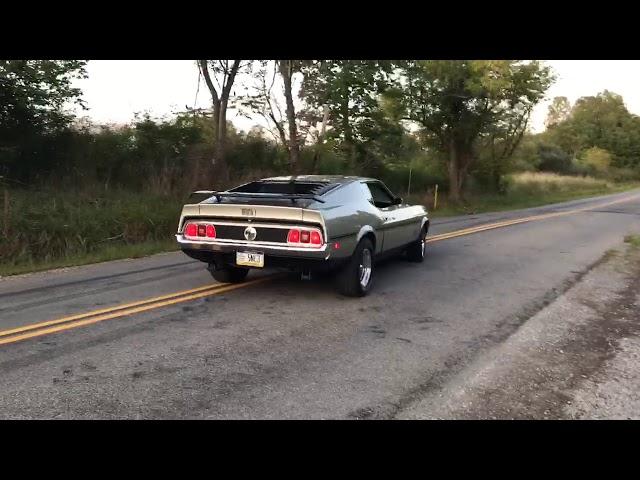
(367, 231)
(425, 224)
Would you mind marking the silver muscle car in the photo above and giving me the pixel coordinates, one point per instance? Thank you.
(306, 223)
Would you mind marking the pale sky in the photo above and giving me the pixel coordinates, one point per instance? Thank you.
(117, 89)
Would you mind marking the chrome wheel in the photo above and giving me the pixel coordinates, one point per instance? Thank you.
(356, 277)
(365, 268)
(417, 251)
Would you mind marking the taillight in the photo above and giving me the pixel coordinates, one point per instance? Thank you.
(191, 229)
(195, 230)
(304, 238)
(293, 236)
(316, 238)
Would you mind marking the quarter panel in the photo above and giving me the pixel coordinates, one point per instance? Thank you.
(347, 213)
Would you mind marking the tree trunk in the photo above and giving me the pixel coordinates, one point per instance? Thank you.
(215, 99)
(221, 170)
(286, 70)
(323, 129)
(349, 146)
(460, 158)
(216, 120)
(454, 172)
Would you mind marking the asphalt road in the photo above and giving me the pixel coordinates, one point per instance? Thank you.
(291, 349)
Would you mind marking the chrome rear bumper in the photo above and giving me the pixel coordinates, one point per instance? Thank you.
(231, 246)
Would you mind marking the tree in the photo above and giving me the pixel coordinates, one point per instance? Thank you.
(288, 128)
(601, 121)
(496, 147)
(459, 103)
(33, 97)
(33, 93)
(287, 68)
(349, 91)
(261, 99)
(559, 110)
(223, 72)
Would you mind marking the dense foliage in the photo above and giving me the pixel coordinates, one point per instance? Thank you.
(456, 123)
(596, 136)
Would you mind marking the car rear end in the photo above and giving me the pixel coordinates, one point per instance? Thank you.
(253, 236)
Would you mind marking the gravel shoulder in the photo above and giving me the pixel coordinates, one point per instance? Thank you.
(577, 358)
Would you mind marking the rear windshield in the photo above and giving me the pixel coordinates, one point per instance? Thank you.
(282, 187)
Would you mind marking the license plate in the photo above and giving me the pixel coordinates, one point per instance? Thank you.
(250, 259)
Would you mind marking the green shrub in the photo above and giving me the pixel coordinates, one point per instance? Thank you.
(554, 159)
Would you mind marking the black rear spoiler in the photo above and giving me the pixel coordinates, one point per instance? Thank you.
(204, 194)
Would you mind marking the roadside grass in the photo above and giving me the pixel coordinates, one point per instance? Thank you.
(632, 255)
(524, 190)
(111, 252)
(633, 240)
(51, 229)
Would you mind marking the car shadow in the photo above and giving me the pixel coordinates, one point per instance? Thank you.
(391, 273)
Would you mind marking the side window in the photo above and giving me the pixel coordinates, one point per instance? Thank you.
(381, 196)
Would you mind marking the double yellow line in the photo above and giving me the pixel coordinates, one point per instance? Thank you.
(533, 218)
(74, 321)
(66, 323)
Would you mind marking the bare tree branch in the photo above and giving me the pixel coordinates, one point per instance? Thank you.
(230, 79)
(204, 68)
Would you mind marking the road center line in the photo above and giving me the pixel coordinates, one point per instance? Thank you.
(123, 306)
(38, 330)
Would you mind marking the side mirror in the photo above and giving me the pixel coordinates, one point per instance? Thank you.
(397, 201)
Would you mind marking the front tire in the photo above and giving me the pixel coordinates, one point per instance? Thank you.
(417, 250)
(228, 274)
(356, 277)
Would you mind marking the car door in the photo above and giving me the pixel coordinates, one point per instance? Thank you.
(386, 204)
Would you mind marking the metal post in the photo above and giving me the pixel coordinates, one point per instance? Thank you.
(435, 198)
(409, 186)
(5, 229)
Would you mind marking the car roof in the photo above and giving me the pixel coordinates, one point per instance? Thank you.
(329, 179)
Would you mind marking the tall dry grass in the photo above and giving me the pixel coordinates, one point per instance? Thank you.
(547, 182)
(523, 190)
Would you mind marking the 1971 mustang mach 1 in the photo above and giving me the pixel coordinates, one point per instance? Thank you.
(307, 223)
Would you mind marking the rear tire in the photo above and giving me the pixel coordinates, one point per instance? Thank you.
(417, 250)
(356, 277)
(228, 274)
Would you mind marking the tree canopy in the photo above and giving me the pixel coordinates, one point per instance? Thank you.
(460, 104)
(461, 123)
(33, 94)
